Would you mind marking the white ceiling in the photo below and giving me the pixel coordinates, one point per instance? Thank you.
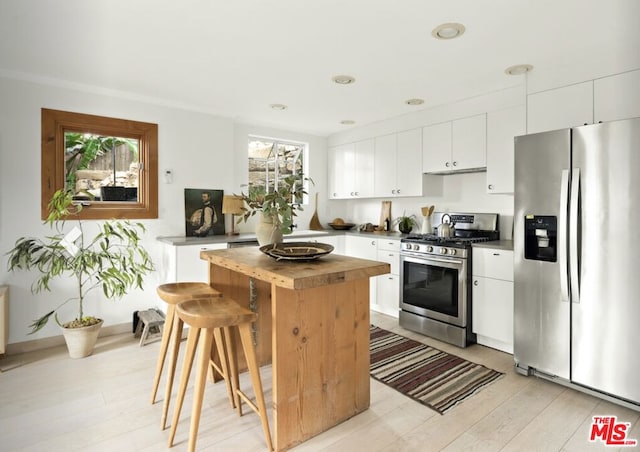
(235, 57)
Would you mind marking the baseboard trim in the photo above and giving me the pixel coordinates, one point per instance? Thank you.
(55, 341)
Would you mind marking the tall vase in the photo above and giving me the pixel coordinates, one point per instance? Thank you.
(267, 231)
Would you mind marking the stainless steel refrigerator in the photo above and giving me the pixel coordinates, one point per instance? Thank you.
(577, 257)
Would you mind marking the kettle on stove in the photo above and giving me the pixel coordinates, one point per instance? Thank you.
(446, 229)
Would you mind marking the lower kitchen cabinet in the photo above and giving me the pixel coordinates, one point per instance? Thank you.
(384, 290)
(492, 293)
(364, 248)
(388, 286)
(183, 263)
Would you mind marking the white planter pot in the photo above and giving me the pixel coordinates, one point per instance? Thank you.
(267, 232)
(81, 341)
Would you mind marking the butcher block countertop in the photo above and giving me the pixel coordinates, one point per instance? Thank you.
(326, 270)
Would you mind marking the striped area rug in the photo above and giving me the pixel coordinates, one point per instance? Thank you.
(427, 375)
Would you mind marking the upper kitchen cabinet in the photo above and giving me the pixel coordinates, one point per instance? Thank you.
(397, 164)
(502, 127)
(560, 108)
(601, 100)
(350, 168)
(617, 97)
(455, 146)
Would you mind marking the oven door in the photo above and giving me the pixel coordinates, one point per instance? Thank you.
(434, 287)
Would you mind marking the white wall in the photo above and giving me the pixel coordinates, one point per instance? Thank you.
(202, 150)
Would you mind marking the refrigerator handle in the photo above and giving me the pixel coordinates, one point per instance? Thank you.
(573, 236)
(562, 236)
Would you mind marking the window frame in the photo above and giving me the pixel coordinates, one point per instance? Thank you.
(54, 125)
(304, 152)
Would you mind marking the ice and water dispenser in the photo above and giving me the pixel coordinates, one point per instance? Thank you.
(541, 238)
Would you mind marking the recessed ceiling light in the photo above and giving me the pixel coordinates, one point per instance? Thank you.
(278, 106)
(448, 31)
(347, 122)
(414, 101)
(518, 69)
(343, 79)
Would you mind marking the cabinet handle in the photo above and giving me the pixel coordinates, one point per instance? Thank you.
(373, 242)
(490, 187)
(398, 191)
(496, 254)
(475, 283)
(351, 193)
(447, 164)
(455, 163)
(390, 255)
(357, 194)
(393, 192)
(335, 194)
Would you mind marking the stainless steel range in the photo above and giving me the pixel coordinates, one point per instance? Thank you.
(435, 274)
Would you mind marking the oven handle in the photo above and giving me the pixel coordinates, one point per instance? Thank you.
(425, 260)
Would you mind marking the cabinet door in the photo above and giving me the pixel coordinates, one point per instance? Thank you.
(392, 258)
(364, 248)
(388, 296)
(493, 312)
(436, 148)
(385, 166)
(362, 173)
(560, 108)
(334, 173)
(469, 143)
(493, 263)
(502, 127)
(409, 163)
(189, 266)
(617, 97)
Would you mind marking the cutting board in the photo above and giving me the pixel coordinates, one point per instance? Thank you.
(385, 214)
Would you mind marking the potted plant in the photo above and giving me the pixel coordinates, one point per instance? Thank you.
(278, 207)
(406, 223)
(113, 260)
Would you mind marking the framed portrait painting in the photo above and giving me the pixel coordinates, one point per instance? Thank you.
(203, 212)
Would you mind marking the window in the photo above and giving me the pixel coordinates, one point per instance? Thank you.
(270, 161)
(115, 160)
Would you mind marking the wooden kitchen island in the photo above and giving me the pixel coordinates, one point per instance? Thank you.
(313, 326)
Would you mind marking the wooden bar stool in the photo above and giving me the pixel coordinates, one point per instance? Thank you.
(206, 319)
(172, 294)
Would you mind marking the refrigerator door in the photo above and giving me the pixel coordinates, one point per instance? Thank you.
(606, 314)
(541, 303)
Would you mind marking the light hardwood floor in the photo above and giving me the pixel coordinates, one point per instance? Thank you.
(49, 402)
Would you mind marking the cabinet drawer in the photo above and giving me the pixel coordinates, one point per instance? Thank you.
(392, 258)
(493, 263)
(389, 244)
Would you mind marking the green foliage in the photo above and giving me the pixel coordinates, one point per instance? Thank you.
(81, 149)
(278, 204)
(406, 223)
(113, 260)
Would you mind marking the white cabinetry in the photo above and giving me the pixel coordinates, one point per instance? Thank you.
(364, 248)
(398, 158)
(458, 145)
(388, 286)
(183, 263)
(493, 297)
(605, 99)
(350, 169)
(502, 127)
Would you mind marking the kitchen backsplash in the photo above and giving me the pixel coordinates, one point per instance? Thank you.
(458, 192)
